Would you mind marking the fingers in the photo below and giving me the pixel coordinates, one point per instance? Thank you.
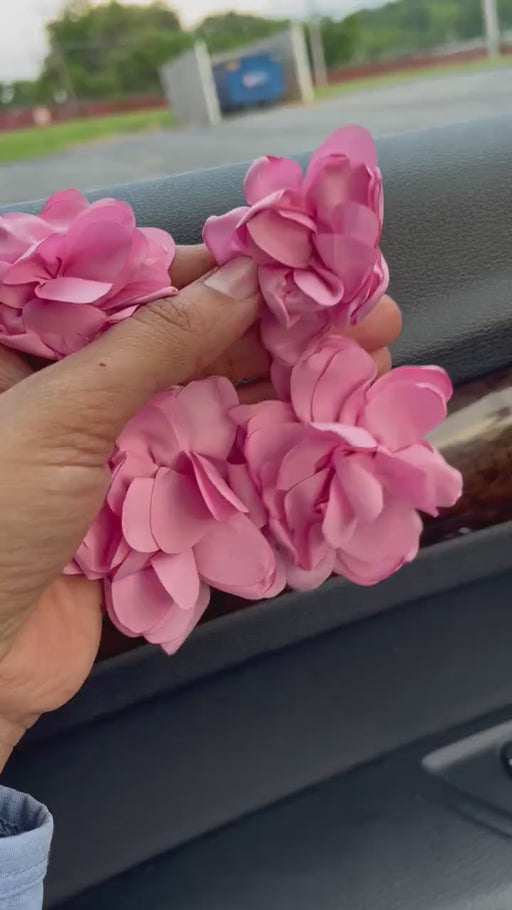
(189, 264)
(88, 397)
(379, 329)
(12, 369)
(382, 359)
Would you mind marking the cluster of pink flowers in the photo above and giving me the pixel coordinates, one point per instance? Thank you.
(69, 273)
(331, 477)
(315, 240)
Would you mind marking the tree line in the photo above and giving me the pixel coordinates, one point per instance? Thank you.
(110, 50)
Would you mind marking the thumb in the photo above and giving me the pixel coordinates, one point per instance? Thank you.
(91, 394)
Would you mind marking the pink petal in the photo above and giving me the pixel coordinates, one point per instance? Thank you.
(199, 416)
(177, 625)
(114, 211)
(242, 484)
(150, 435)
(358, 221)
(367, 573)
(399, 414)
(303, 460)
(286, 241)
(352, 141)
(301, 505)
(274, 284)
(136, 515)
(178, 575)
(268, 174)
(339, 521)
(348, 258)
(234, 553)
(63, 207)
(98, 253)
(96, 553)
(420, 476)
(19, 232)
(433, 376)
(262, 413)
(179, 517)
(39, 263)
(219, 498)
(161, 244)
(137, 602)
(290, 344)
(264, 447)
(355, 438)
(370, 295)
(63, 325)
(308, 579)
(395, 533)
(322, 383)
(73, 290)
(219, 235)
(362, 488)
(314, 285)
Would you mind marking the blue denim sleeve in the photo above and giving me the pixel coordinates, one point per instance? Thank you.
(26, 829)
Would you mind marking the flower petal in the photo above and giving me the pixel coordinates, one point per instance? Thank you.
(268, 174)
(286, 241)
(220, 237)
(362, 488)
(137, 602)
(234, 554)
(242, 484)
(308, 579)
(73, 290)
(177, 625)
(178, 574)
(63, 207)
(97, 253)
(353, 141)
(399, 414)
(179, 517)
(339, 521)
(136, 515)
(219, 498)
(65, 327)
(199, 416)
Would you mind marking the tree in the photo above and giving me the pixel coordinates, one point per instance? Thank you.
(229, 31)
(110, 49)
(341, 40)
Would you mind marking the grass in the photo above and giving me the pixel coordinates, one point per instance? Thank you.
(413, 74)
(35, 142)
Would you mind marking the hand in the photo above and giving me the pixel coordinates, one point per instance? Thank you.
(58, 429)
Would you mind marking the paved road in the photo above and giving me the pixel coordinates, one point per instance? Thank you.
(286, 130)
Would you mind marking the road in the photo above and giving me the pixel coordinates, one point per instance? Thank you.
(386, 109)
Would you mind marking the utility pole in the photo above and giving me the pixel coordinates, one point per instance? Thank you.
(492, 27)
(317, 47)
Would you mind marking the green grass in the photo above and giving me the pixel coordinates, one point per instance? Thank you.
(408, 75)
(35, 142)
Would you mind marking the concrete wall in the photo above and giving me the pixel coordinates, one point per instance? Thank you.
(189, 87)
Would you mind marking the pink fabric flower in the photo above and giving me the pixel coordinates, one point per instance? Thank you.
(69, 273)
(343, 467)
(174, 521)
(315, 239)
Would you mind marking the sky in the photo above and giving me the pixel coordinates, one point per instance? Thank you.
(22, 36)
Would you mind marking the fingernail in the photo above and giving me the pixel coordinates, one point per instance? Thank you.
(237, 279)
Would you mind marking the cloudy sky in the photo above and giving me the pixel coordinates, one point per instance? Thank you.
(22, 41)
